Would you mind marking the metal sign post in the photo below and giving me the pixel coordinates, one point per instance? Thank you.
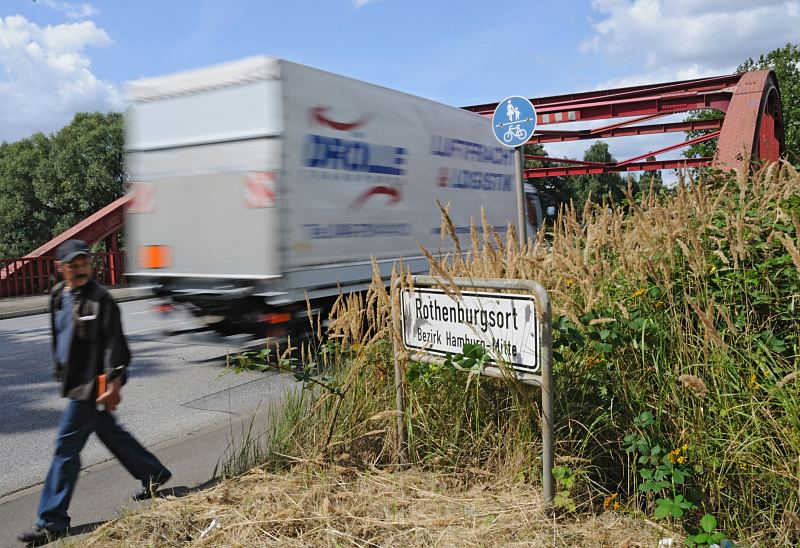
(513, 124)
(519, 169)
(515, 329)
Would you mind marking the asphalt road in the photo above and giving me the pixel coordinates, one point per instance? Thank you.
(178, 393)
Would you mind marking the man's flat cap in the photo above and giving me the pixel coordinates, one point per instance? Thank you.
(70, 249)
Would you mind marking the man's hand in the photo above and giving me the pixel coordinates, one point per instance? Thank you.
(112, 396)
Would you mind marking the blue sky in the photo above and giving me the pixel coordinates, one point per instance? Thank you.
(60, 57)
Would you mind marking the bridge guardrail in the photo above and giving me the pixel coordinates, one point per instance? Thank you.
(24, 276)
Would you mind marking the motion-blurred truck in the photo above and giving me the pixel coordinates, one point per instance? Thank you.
(261, 183)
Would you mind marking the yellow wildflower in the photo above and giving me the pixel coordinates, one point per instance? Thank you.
(675, 455)
(638, 293)
(591, 361)
(611, 501)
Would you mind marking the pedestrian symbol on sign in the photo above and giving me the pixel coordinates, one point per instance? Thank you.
(512, 112)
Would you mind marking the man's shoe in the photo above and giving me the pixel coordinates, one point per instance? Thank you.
(38, 535)
(149, 491)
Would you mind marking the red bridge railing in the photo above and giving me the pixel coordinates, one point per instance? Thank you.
(37, 275)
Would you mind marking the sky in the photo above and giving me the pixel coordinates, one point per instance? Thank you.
(60, 57)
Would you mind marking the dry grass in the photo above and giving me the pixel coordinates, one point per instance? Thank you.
(312, 506)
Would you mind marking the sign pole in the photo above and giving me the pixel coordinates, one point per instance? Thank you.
(548, 398)
(522, 223)
(513, 125)
(399, 388)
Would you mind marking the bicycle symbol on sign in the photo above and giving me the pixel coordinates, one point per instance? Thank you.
(514, 131)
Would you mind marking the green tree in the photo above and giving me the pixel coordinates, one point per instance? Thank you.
(553, 191)
(653, 179)
(599, 185)
(706, 149)
(50, 183)
(87, 158)
(25, 222)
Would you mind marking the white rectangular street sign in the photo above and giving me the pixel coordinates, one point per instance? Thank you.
(506, 325)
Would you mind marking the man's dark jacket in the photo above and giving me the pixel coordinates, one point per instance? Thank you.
(98, 343)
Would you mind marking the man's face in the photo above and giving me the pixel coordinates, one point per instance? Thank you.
(76, 272)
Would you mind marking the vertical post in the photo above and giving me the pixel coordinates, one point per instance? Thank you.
(548, 399)
(522, 223)
(111, 261)
(399, 389)
(18, 275)
(51, 273)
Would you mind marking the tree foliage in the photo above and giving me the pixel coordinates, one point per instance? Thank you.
(50, 183)
(651, 179)
(706, 149)
(553, 191)
(598, 185)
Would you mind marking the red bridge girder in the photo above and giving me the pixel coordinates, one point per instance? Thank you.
(752, 126)
(102, 224)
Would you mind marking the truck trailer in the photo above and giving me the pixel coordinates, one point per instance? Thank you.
(261, 183)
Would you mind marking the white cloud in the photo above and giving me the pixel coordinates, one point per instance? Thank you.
(664, 74)
(709, 37)
(70, 9)
(47, 76)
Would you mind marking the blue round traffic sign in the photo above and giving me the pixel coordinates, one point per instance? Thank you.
(513, 121)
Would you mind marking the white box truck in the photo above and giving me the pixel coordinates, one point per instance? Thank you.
(258, 183)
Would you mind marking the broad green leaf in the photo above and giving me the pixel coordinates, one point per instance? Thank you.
(661, 512)
(708, 523)
(676, 511)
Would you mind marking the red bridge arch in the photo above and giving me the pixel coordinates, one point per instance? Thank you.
(751, 126)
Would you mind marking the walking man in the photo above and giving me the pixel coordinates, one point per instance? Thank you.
(88, 343)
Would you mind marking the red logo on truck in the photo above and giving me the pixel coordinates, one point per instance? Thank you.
(395, 196)
(318, 115)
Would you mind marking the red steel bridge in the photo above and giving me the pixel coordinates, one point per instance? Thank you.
(751, 126)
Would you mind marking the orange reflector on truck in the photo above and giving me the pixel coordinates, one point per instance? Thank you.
(275, 317)
(155, 256)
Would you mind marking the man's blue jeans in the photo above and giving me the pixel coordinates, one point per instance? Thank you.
(80, 419)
